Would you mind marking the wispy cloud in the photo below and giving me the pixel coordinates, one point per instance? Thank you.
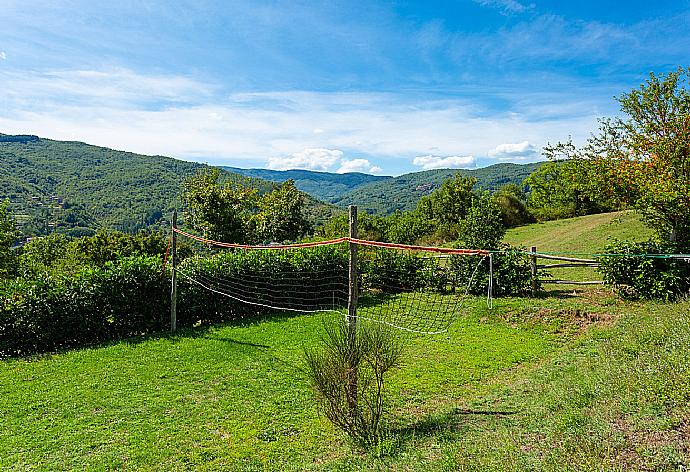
(448, 162)
(506, 6)
(3, 56)
(183, 117)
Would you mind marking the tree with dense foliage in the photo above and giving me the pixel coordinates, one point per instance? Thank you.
(281, 214)
(233, 212)
(219, 211)
(512, 202)
(8, 236)
(644, 157)
(483, 226)
(449, 205)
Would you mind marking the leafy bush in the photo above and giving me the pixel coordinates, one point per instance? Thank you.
(301, 269)
(644, 277)
(124, 298)
(390, 271)
(348, 374)
(512, 273)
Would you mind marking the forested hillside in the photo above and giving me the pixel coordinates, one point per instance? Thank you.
(326, 186)
(403, 192)
(79, 187)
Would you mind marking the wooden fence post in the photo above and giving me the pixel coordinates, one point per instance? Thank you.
(352, 396)
(533, 264)
(173, 291)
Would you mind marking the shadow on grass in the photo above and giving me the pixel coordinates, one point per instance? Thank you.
(433, 423)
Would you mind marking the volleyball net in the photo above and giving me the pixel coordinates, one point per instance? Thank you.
(412, 288)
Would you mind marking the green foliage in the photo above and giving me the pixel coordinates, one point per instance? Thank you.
(220, 211)
(370, 227)
(390, 271)
(512, 202)
(449, 205)
(280, 214)
(233, 212)
(348, 373)
(57, 255)
(407, 227)
(8, 236)
(482, 227)
(646, 277)
(512, 273)
(566, 188)
(124, 298)
(647, 155)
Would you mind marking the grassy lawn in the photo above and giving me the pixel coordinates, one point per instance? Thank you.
(542, 384)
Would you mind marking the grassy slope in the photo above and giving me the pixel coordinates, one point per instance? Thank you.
(583, 235)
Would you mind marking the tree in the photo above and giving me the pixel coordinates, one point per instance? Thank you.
(281, 214)
(8, 236)
(644, 157)
(219, 211)
(448, 205)
(511, 200)
(483, 227)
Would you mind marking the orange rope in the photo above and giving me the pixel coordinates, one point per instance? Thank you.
(360, 242)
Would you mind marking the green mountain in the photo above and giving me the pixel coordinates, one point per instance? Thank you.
(403, 192)
(78, 187)
(325, 186)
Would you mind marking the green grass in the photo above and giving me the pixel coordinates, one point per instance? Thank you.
(579, 237)
(527, 386)
(584, 234)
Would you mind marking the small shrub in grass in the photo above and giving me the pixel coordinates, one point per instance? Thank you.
(646, 277)
(348, 373)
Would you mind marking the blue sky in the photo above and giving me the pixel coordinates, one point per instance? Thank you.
(383, 87)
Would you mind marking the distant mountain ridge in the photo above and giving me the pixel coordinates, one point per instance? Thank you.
(403, 192)
(77, 186)
(385, 195)
(325, 186)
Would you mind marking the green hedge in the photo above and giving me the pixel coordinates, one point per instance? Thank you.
(124, 298)
(634, 276)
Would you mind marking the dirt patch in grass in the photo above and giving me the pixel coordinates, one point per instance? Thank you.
(560, 319)
(651, 450)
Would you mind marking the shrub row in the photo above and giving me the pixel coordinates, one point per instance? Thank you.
(130, 296)
(124, 298)
(635, 276)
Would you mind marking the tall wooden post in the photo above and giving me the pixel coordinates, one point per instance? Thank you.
(352, 396)
(173, 291)
(533, 264)
(353, 291)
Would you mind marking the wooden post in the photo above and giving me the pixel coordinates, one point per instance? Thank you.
(352, 396)
(533, 264)
(352, 276)
(173, 292)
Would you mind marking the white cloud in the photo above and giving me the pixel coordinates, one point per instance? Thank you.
(3, 56)
(357, 165)
(506, 6)
(514, 151)
(181, 117)
(309, 159)
(449, 162)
